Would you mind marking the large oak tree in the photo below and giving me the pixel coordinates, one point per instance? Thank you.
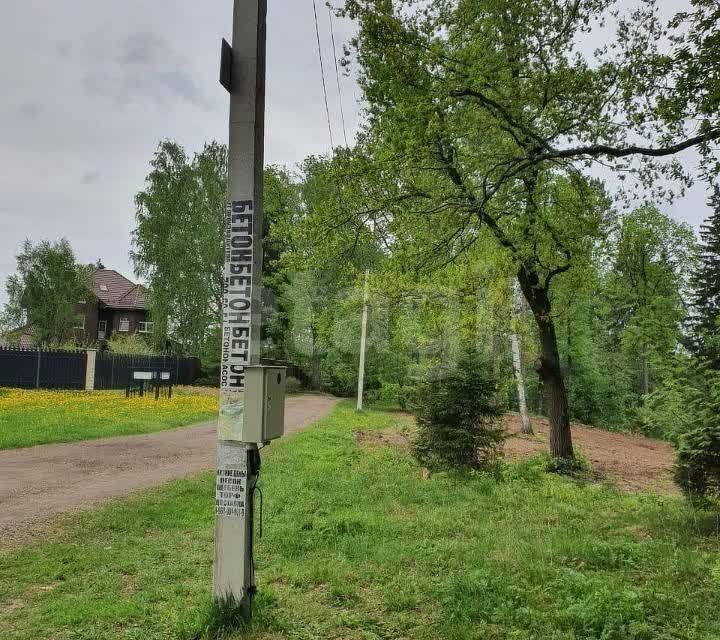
(485, 116)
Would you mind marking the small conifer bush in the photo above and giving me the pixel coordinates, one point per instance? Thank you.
(697, 467)
(458, 417)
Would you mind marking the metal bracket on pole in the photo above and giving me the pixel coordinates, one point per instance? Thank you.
(226, 62)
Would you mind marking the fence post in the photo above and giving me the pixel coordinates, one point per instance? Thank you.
(177, 371)
(37, 370)
(90, 369)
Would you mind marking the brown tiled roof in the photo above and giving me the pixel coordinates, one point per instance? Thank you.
(116, 291)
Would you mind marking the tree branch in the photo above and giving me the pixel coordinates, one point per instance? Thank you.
(504, 114)
(555, 272)
(621, 152)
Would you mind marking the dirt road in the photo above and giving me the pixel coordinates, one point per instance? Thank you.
(39, 482)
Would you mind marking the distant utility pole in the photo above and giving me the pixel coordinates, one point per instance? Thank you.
(238, 462)
(363, 339)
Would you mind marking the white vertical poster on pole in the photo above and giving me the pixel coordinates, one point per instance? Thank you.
(237, 316)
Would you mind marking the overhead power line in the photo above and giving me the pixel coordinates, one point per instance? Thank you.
(337, 75)
(322, 73)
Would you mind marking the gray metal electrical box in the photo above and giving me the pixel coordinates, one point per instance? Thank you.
(264, 414)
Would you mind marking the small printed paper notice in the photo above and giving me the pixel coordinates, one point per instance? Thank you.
(231, 484)
(230, 492)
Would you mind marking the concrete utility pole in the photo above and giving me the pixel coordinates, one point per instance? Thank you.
(238, 461)
(363, 338)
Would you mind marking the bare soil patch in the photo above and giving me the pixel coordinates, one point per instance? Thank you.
(632, 462)
(370, 439)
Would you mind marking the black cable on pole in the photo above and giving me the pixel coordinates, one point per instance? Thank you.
(337, 74)
(322, 73)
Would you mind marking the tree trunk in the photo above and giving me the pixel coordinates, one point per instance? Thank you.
(315, 362)
(549, 370)
(525, 427)
(645, 370)
(569, 362)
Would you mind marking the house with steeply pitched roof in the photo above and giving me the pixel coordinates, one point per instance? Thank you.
(118, 308)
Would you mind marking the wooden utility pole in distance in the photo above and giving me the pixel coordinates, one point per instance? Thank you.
(238, 463)
(363, 339)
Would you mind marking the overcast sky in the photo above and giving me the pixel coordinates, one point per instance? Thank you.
(91, 86)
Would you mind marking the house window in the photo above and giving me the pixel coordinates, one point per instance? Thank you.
(103, 287)
(124, 325)
(102, 329)
(80, 323)
(145, 327)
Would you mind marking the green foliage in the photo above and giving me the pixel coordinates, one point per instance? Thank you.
(45, 291)
(458, 417)
(670, 409)
(577, 467)
(133, 344)
(475, 135)
(685, 408)
(598, 377)
(387, 394)
(282, 208)
(178, 248)
(619, 321)
(652, 258)
(177, 242)
(697, 468)
(693, 87)
(473, 169)
(706, 284)
(339, 374)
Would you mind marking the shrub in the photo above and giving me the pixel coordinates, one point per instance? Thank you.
(338, 376)
(458, 417)
(667, 411)
(670, 410)
(577, 467)
(697, 467)
(131, 344)
(405, 396)
(388, 394)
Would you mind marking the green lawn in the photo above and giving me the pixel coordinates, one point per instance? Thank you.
(34, 417)
(357, 545)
